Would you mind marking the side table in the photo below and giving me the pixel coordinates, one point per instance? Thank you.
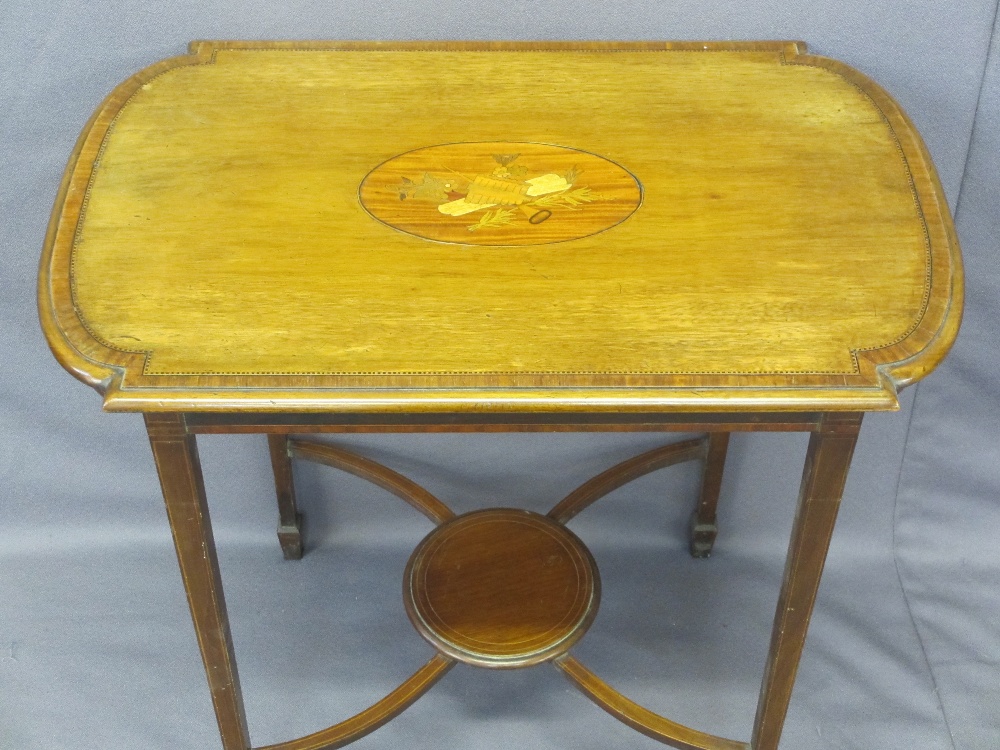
(332, 237)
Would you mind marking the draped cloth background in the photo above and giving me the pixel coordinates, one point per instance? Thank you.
(96, 645)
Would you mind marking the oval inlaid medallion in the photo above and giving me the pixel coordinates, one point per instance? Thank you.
(500, 193)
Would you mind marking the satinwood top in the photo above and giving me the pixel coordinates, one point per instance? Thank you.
(518, 227)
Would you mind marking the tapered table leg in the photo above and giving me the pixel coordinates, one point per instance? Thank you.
(827, 462)
(289, 520)
(704, 523)
(184, 493)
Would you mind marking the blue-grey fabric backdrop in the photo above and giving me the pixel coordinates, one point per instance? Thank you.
(96, 646)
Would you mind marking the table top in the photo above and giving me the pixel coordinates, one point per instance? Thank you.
(518, 227)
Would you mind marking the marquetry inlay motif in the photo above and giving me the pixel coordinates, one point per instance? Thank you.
(500, 193)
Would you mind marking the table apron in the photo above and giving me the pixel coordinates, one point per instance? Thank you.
(276, 423)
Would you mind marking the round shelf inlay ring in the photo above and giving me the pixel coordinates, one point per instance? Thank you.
(501, 588)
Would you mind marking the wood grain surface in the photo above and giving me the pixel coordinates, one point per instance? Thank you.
(501, 588)
(214, 247)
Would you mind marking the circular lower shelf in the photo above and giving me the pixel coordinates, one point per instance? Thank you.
(501, 588)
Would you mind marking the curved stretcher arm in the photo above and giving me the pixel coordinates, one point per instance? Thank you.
(372, 718)
(639, 718)
(621, 474)
(376, 473)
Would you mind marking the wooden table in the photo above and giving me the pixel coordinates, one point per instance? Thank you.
(292, 238)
